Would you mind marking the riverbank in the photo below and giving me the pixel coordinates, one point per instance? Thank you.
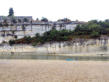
(78, 57)
(53, 71)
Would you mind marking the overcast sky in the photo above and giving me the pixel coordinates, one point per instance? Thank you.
(82, 10)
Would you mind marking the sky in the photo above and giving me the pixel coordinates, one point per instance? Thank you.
(83, 10)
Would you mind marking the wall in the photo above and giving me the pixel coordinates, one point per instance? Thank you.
(35, 29)
(80, 47)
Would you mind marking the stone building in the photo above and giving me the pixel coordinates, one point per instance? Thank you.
(17, 18)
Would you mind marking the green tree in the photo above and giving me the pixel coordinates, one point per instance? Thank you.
(11, 42)
(44, 19)
(37, 35)
(11, 12)
(25, 20)
(94, 34)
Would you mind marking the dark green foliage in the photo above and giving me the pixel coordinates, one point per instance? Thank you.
(27, 39)
(44, 19)
(94, 34)
(92, 29)
(15, 36)
(25, 20)
(37, 35)
(50, 36)
(11, 42)
(54, 35)
(11, 12)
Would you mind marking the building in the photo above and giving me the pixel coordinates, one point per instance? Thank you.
(17, 18)
(24, 18)
(2, 18)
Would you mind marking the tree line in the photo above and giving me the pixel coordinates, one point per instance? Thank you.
(93, 29)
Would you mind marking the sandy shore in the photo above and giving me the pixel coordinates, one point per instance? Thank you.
(53, 71)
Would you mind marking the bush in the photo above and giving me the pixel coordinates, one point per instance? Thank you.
(11, 42)
(94, 34)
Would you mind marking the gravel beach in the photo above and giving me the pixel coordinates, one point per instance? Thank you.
(53, 71)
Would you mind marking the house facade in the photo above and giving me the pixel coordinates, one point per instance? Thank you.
(16, 18)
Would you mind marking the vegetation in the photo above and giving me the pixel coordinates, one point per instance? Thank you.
(49, 36)
(92, 29)
(11, 12)
(64, 20)
(44, 19)
(25, 20)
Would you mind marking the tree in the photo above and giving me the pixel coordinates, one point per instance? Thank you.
(37, 19)
(11, 12)
(37, 35)
(11, 42)
(25, 20)
(95, 34)
(44, 19)
(64, 20)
